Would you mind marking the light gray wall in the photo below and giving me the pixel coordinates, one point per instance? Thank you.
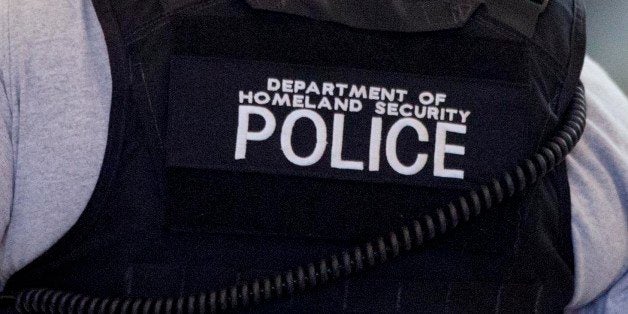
(607, 26)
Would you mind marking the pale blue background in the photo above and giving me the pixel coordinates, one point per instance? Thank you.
(608, 37)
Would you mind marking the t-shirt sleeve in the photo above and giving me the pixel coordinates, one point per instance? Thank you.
(60, 95)
(598, 177)
(6, 146)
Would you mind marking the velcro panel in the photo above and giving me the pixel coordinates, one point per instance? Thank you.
(337, 153)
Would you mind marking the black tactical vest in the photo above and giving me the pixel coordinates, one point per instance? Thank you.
(328, 157)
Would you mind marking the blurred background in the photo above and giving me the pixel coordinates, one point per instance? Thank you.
(607, 26)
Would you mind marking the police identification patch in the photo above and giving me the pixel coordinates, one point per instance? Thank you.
(237, 120)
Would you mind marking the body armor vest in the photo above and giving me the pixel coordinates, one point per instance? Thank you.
(328, 160)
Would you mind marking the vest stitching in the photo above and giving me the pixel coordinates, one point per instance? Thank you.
(496, 25)
(150, 104)
(149, 26)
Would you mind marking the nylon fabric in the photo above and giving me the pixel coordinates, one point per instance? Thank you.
(411, 16)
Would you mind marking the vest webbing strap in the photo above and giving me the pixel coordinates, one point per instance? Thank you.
(410, 15)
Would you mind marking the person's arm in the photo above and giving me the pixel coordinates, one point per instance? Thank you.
(58, 115)
(6, 146)
(598, 177)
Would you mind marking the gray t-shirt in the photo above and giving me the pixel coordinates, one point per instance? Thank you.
(55, 93)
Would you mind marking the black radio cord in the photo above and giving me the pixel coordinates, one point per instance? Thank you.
(335, 267)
